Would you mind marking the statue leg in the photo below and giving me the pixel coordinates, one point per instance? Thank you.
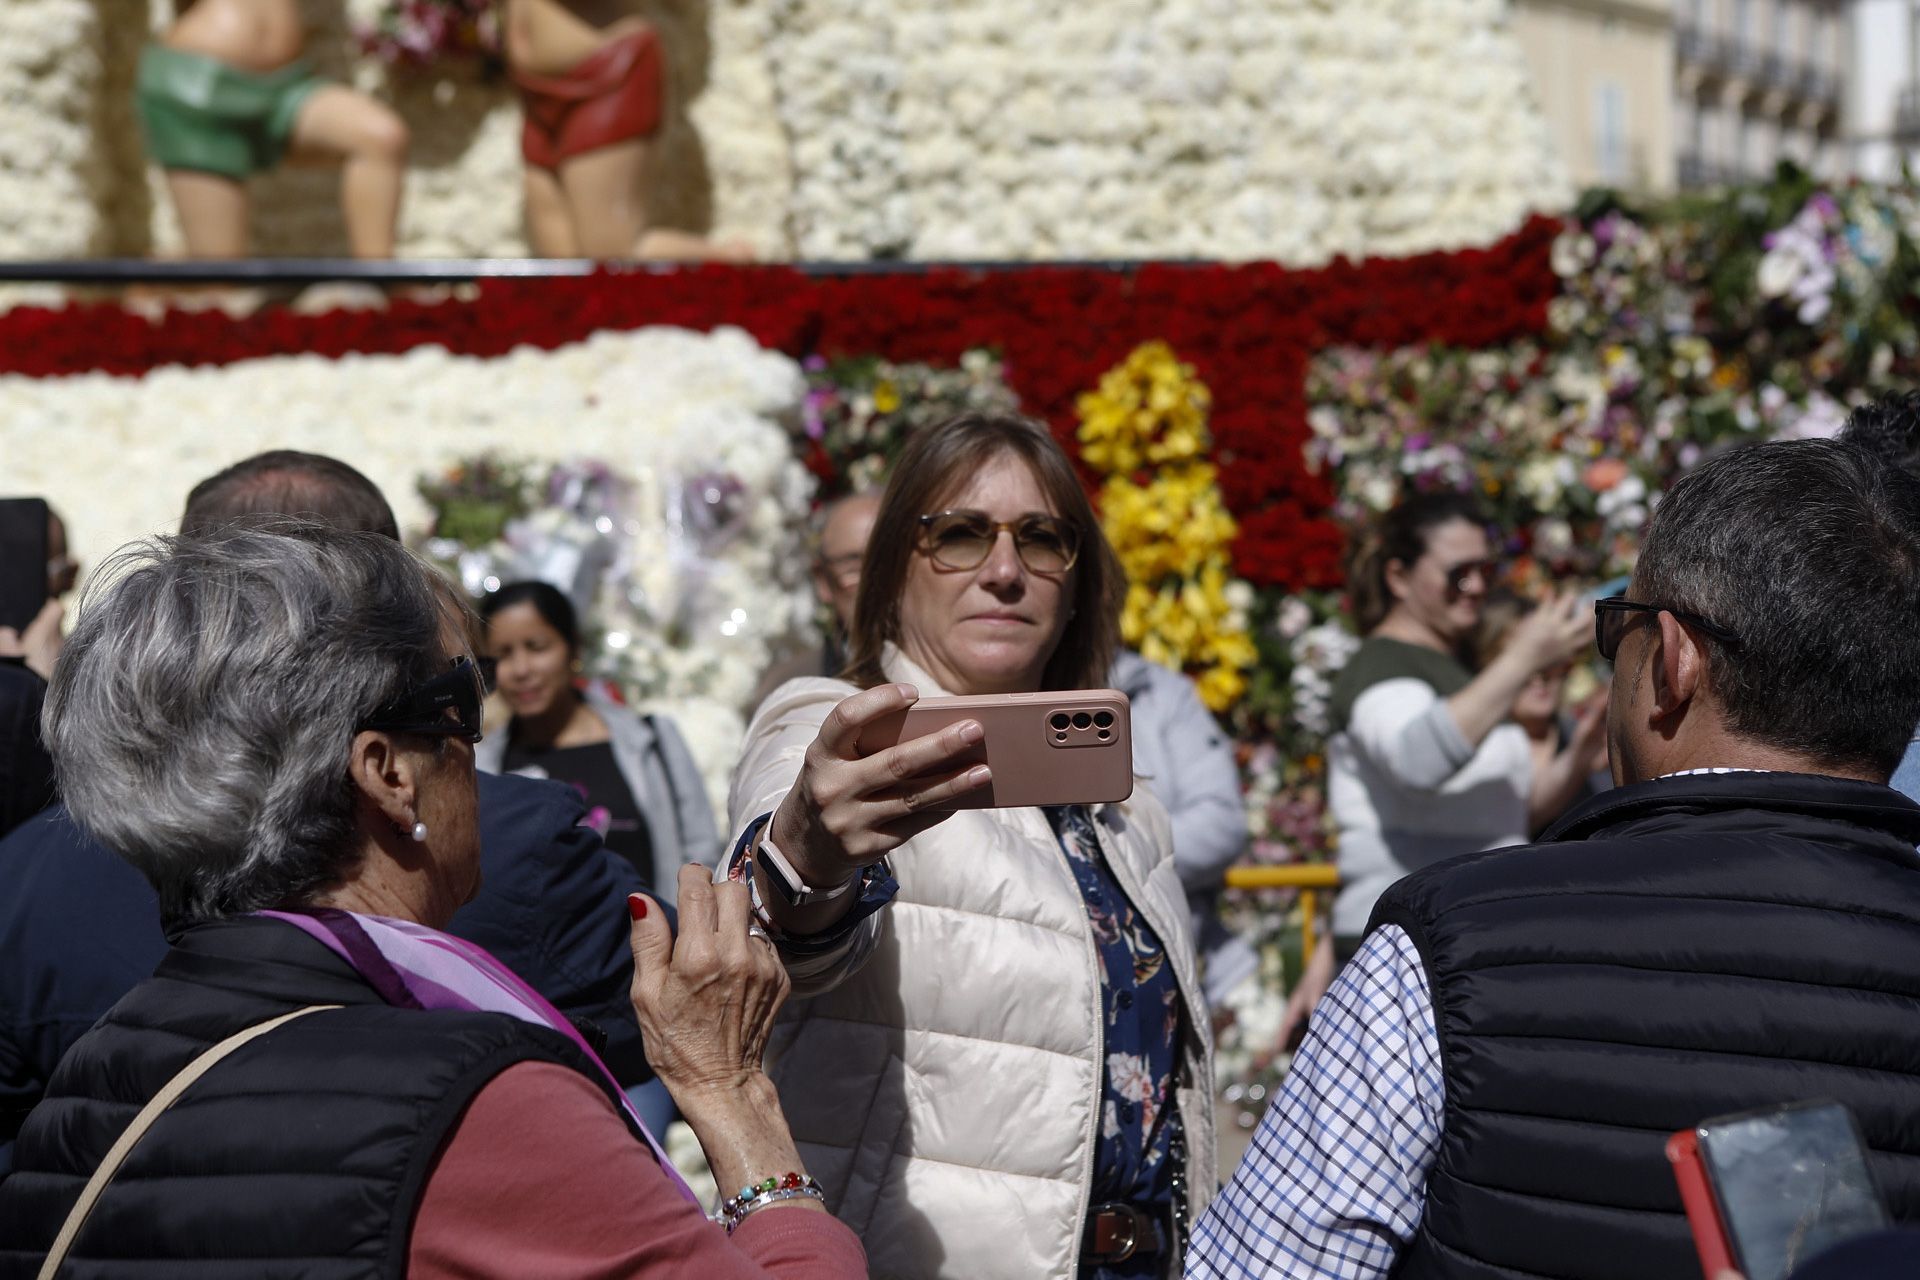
(369, 142)
(213, 213)
(550, 232)
(602, 188)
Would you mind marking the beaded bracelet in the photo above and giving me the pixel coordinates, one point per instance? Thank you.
(789, 1186)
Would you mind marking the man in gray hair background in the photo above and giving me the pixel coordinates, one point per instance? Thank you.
(79, 927)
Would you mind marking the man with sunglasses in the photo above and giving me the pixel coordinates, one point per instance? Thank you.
(79, 926)
(1487, 1089)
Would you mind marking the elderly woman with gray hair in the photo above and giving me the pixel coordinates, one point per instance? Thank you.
(276, 726)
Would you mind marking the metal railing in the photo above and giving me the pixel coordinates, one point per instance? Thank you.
(1311, 879)
(268, 272)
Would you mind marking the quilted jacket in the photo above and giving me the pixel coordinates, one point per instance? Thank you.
(943, 1079)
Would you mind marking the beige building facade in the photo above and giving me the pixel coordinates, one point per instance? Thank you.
(1757, 82)
(1649, 95)
(1603, 73)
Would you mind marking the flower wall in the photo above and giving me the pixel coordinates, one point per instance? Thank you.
(1293, 131)
(705, 525)
(1565, 373)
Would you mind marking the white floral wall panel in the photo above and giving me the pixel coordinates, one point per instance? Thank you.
(117, 456)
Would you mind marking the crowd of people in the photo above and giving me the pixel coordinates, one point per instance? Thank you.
(313, 966)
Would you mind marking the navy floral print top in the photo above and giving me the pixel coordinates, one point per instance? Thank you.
(1141, 1006)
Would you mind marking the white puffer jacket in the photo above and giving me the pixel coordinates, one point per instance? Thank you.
(946, 1093)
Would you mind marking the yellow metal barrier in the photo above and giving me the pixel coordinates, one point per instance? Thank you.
(1308, 877)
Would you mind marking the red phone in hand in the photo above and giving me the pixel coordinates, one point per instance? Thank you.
(1767, 1190)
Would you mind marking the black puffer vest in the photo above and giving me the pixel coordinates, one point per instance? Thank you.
(1673, 950)
(304, 1153)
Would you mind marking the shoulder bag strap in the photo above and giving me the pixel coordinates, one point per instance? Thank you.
(168, 1095)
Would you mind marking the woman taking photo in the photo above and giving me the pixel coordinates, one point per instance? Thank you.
(643, 791)
(277, 729)
(1002, 1070)
(1425, 762)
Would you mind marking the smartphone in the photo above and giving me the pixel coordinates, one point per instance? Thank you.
(1074, 746)
(1767, 1190)
(23, 560)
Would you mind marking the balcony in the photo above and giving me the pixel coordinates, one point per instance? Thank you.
(1906, 115)
(1696, 171)
(1817, 84)
(1699, 47)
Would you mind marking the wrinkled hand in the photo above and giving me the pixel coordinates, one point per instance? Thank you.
(39, 645)
(1557, 631)
(847, 810)
(707, 999)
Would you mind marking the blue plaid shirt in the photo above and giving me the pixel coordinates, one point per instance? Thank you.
(1336, 1179)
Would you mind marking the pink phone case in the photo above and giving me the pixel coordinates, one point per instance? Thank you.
(1070, 747)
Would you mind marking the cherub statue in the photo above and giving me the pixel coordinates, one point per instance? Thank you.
(224, 94)
(592, 84)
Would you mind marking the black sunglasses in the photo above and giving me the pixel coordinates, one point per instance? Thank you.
(424, 710)
(1458, 575)
(1614, 614)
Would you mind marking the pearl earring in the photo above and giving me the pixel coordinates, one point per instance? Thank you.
(419, 833)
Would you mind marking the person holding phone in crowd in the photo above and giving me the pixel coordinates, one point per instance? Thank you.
(1425, 761)
(1001, 1067)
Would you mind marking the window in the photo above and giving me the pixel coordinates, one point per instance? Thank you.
(1610, 141)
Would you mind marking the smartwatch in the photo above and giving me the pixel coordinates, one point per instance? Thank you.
(786, 882)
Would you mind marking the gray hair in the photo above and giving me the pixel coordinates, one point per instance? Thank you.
(1807, 551)
(202, 713)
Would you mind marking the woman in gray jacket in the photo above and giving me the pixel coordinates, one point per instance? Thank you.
(643, 791)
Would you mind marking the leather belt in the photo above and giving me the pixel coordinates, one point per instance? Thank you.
(1116, 1232)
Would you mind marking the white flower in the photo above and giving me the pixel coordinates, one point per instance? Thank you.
(1294, 617)
(1129, 1076)
(1779, 271)
(700, 610)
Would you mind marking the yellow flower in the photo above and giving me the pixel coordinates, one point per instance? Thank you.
(886, 397)
(1169, 527)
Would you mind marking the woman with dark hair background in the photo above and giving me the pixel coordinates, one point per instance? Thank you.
(1424, 762)
(643, 791)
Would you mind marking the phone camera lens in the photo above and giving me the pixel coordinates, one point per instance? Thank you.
(1060, 720)
(1081, 720)
(1105, 734)
(1060, 737)
(1104, 719)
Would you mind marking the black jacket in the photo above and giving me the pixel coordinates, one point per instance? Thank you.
(79, 927)
(26, 774)
(1672, 951)
(303, 1153)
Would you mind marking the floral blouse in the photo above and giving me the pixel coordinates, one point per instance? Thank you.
(1141, 1003)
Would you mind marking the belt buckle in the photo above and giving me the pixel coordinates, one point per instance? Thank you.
(1131, 1221)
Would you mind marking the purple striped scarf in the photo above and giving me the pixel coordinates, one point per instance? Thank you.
(414, 967)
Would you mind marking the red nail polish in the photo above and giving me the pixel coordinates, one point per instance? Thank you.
(636, 906)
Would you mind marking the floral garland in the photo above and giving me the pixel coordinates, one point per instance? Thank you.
(1145, 429)
(1251, 328)
(859, 411)
(419, 33)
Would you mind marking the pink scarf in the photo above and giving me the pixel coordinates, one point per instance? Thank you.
(414, 967)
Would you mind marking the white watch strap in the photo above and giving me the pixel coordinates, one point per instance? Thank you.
(804, 892)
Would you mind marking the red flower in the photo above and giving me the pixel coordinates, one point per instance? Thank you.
(1249, 330)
